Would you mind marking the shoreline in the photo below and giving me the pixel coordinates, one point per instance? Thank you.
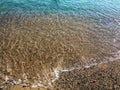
(31, 50)
(95, 79)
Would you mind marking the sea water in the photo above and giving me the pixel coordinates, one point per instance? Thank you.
(88, 29)
(77, 7)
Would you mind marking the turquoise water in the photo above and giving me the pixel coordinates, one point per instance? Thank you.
(101, 10)
(67, 7)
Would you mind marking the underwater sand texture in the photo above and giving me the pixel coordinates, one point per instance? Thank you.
(33, 52)
(35, 47)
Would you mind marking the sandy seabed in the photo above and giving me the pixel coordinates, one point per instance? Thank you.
(59, 52)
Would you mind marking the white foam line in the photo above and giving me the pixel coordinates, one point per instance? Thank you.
(60, 69)
(86, 66)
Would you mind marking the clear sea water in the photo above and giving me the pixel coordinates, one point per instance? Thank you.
(67, 7)
(101, 26)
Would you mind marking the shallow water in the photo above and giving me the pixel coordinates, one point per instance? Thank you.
(53, 36)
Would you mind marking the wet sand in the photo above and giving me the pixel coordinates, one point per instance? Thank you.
(101, 77)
